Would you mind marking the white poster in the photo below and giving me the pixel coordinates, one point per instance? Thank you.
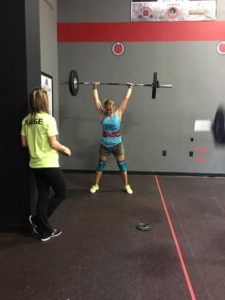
(173, 10)
(47, 84)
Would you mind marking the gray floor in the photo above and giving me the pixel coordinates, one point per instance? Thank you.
(102, 256)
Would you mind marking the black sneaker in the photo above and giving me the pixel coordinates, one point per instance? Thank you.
(34, 226)
(55, 232)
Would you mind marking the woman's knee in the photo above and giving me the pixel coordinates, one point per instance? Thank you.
(122, 165)
(101, 163)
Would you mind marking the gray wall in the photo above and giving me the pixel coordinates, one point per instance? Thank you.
(149, 126)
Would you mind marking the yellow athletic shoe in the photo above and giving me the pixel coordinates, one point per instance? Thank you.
(94, 188)
(128, 189)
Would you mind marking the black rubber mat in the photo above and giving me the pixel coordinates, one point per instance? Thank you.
(101, 255)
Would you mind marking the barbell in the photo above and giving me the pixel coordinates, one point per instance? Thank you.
(74, 83)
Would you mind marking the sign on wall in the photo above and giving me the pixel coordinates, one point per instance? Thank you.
(47, 84)
(170, 10)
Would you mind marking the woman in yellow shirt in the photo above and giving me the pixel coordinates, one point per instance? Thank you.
(39, 133)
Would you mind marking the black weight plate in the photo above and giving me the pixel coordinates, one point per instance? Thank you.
(155, 84)
(144, 227)
(218, 126)
(73, 82)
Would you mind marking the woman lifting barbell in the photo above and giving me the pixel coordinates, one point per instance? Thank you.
(111, 141)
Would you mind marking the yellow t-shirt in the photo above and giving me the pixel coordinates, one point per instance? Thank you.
(37, 130)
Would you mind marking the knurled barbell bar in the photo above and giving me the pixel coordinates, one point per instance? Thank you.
(74, 83)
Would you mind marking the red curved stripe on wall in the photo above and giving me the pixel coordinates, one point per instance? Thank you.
(141, 32)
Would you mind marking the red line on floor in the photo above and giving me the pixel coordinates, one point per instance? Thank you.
(176, 242)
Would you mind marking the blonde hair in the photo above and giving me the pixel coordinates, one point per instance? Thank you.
(109, 102)
(38, 101)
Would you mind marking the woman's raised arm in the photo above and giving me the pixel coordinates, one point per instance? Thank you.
(96, 99)
(125, 100)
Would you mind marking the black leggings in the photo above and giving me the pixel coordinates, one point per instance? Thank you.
(46, 178)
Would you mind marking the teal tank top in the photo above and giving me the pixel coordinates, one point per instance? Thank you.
(111, 131)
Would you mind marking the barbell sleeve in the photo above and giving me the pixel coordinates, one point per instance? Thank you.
(165, 86)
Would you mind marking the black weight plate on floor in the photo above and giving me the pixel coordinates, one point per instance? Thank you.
(144, 227)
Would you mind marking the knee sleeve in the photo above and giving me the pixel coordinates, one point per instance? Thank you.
(122, 166)
(101, 165)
